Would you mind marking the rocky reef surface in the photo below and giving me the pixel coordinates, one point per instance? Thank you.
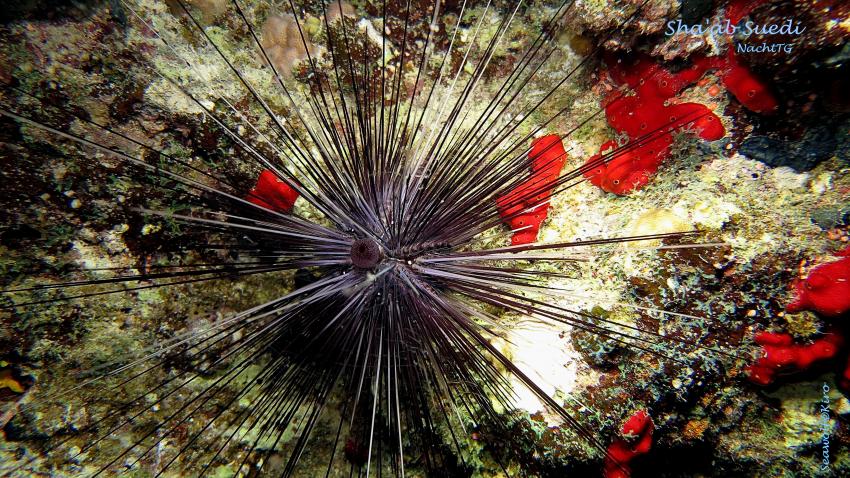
(771, 199)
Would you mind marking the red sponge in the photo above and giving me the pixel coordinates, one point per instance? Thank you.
(637, 433)
(826, 290)
(648, 118)
(272, 193)
(526, 206)
(782, 355)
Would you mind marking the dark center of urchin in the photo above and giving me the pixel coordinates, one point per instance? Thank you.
(365, 253)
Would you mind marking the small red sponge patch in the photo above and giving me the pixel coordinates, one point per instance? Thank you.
(272, 193)
(526, 206)
(637, 431)
(826, 290)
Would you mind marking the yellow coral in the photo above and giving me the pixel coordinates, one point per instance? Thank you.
(802, 325)
(7, 380)
(694, 429)
(655, 221)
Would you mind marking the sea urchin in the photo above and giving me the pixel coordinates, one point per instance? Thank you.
(398, 158)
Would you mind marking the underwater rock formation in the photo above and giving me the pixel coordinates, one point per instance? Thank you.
(832, 217)
(819, 143)
(210, 9)
(602, 19)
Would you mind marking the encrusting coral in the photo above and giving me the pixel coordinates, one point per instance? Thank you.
(284, 43)
(655, 221)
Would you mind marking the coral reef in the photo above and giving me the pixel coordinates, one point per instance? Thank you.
(62, 218)
(600, 19)
(649, 120)
(210, 9)
(650, 117)
(825, 291)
